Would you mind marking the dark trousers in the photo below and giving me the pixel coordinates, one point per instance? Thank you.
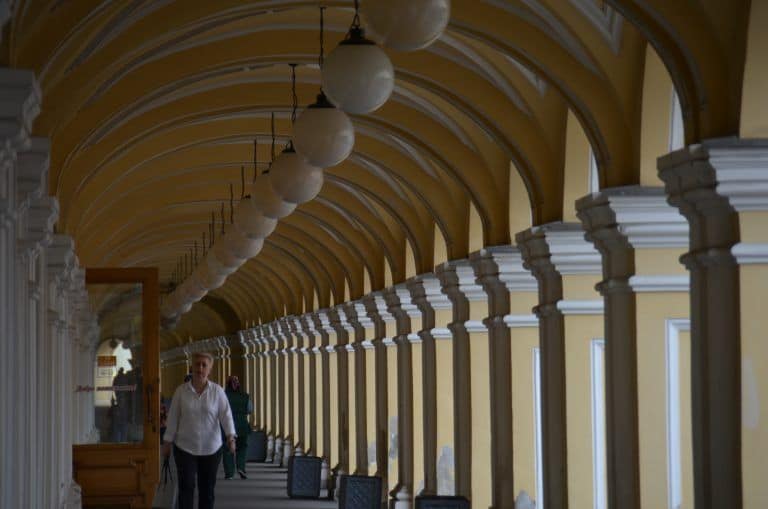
(241, 443)
(193, 468)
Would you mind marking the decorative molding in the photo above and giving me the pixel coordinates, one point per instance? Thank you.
(388, 342)
(641, 214)
(740, 168)
(414, 338)
(565, 247)
(581, 307)
(662, 283)
(475, 326)
(750, 253)
(521, 321)
(441, 333)
(368, 345)
(19, 107)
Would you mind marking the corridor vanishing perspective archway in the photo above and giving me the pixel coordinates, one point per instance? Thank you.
(538, 277)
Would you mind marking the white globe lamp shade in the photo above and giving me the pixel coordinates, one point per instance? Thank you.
(405, 25)
(242, 246)
(266, 200)
(251, 222)
(323, 134)
(185, 307)
(216, 267)
(294, 179)
(223, 252)
(357, 75)
(209, 279)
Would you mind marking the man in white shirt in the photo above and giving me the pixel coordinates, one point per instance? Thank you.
(198, 408)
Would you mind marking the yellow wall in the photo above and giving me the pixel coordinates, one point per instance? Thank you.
(754, 351)
(481, 420)
(441, 249)
(656, 115)
(580, 331)
(653, 309)
(475, 229)
(334, 403)
(519, 203)
(370, 380)
(410, 261)
(444, 362)
(754, 107)
(392, 412)
(418, 418)
(576, 176)
(523, 418)
(319, 398)
(351, 416)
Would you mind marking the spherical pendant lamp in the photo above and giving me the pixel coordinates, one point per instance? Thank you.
(211, 280)
(265, 199)
(405, 25)
(294, 179)
(221, 250)
(323, 134)
(358, 76)
(242, 246)
(251, 222)
(215, 266)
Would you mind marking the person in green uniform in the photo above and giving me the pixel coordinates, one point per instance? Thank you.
(241, 406)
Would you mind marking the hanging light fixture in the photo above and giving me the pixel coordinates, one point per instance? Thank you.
(405, 25)
(263, 196)
(250, 221)
(358, 76)
(323, 134)
(293, 178)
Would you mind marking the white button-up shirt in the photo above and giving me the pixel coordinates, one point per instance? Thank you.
(193, 420)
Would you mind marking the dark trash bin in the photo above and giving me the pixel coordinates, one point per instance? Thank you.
(257, 446)
(304, 476)
(360, 492)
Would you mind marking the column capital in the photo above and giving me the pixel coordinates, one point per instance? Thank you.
(505, 264)
(457, 280)
(61, 260)
(399, 305)
(376, 309)
(36, 229)
(32, 169)
(426, 290)
(19, 107)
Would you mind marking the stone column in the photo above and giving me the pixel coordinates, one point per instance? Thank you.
(320, 321)
(307, 325)
(617, 221)
(549, 252)
(455, 278)
(426, 295)
(288, 397)
(375, 307)
(399, 306)
(273, 395)
(338, 322)
(495, 269)
(355, 312)
(300, 353)
(279, 391)
(713, 184)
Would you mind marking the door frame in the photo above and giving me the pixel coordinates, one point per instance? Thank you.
(128, 474)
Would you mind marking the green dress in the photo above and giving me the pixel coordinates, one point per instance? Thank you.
(240, 403)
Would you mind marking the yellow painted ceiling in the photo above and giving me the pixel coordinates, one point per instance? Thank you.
(152, 107)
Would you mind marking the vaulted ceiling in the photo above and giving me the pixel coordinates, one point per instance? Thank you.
(152, 107)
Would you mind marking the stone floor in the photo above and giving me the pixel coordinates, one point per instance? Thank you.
(265, 488)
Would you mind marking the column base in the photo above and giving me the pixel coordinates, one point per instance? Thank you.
(325, 472)
(287, 449)
(270, 449)
(74, 497)
(402, 498)
(278, 457)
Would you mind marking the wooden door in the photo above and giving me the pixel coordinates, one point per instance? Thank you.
(121, 468)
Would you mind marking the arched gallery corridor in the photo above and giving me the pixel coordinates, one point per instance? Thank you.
(514, 251)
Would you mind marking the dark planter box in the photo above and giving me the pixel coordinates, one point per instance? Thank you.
(360, 492)
(442, 502)
(257, 446)
(304, 476)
